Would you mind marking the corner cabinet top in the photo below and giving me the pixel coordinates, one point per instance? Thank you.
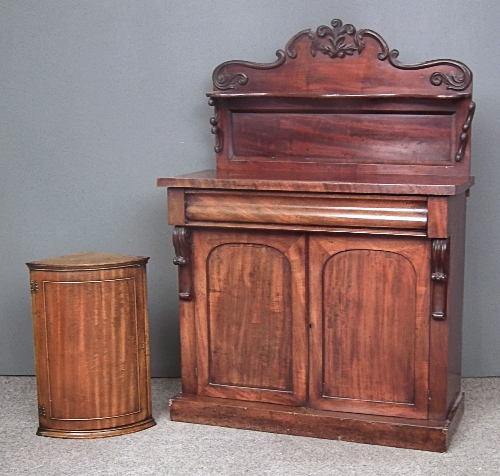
(338, 109)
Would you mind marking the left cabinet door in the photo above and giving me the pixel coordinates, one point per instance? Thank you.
(250, 315)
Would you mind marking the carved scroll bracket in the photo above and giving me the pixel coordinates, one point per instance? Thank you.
(183, 259)
(464, 136)
(214, 121)
(439, 276)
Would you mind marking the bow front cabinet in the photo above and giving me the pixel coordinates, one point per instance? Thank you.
(321, 263)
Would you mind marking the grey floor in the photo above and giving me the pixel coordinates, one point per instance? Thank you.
(172, 448)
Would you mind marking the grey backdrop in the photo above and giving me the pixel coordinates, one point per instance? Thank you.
(98, 98)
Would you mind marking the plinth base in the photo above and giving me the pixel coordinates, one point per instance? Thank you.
(102, 433)
(388, 431)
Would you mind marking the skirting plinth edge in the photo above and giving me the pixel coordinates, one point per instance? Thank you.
(353, 427)
(102, 433)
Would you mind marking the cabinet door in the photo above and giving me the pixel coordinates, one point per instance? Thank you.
(250, 315)
(369, 301)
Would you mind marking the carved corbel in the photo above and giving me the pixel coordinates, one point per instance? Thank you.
(183, 259)
(439, 269)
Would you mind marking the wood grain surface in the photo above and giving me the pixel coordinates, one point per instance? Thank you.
(307, 209)
(370, 328)
(412, 433)
(250, 315)
(300, 180)
(328, 244)
(364, 138)
(91, 346)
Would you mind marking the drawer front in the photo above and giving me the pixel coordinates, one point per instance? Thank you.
(346, 211)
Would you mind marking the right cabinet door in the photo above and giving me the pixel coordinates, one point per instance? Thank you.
(369, 341)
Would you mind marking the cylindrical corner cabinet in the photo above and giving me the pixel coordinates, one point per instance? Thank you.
(90, 325)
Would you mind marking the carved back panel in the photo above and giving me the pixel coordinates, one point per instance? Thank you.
(338, 100)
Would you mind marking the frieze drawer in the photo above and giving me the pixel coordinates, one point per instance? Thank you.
(407, 213)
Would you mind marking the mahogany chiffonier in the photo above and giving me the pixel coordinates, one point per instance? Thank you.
(90, 325)
(321, 264)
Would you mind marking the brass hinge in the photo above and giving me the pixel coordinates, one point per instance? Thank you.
(429, 395)
(34, 287)
(196, 371)
(41, 411)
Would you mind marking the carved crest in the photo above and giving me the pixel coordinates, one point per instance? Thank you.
(338, 42)
(335, 45)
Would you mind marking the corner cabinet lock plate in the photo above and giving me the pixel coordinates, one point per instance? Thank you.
(34, 287)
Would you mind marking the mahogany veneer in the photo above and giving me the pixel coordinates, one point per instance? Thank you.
(321, 264)
(91, 345)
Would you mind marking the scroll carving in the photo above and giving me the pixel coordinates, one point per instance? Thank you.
(225, 81)
(459, 81)
(439, 276)
(340, 41)
(464, 136)
(183, 259)
(216, 130)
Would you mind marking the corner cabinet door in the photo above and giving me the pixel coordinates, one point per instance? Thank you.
(251, 329)
(370, 324)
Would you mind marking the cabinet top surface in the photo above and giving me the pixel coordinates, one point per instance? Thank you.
(319, 182)
(87, 260)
